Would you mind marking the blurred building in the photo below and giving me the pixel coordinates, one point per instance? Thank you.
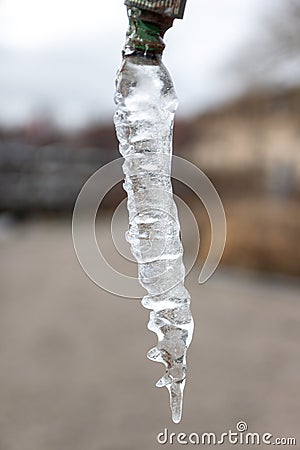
(44, 170)
(257, 137)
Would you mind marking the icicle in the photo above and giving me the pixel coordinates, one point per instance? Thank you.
(146, 105)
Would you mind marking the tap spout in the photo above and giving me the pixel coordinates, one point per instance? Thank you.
(148, 22)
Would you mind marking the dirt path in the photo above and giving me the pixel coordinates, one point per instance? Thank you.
(74, 375)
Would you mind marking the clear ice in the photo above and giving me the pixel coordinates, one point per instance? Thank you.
(146, 106)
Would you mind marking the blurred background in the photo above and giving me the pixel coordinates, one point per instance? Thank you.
(73, 372)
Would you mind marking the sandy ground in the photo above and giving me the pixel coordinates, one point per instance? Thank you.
(74, 375)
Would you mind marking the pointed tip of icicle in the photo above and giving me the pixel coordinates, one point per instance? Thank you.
(175, 418)
(176, 397)
(176, 400)
(176, 409)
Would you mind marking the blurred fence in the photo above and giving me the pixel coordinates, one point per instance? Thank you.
(45, 177)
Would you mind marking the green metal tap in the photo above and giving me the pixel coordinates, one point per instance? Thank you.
(148, 22)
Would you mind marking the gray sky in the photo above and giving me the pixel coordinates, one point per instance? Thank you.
(60, 56)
